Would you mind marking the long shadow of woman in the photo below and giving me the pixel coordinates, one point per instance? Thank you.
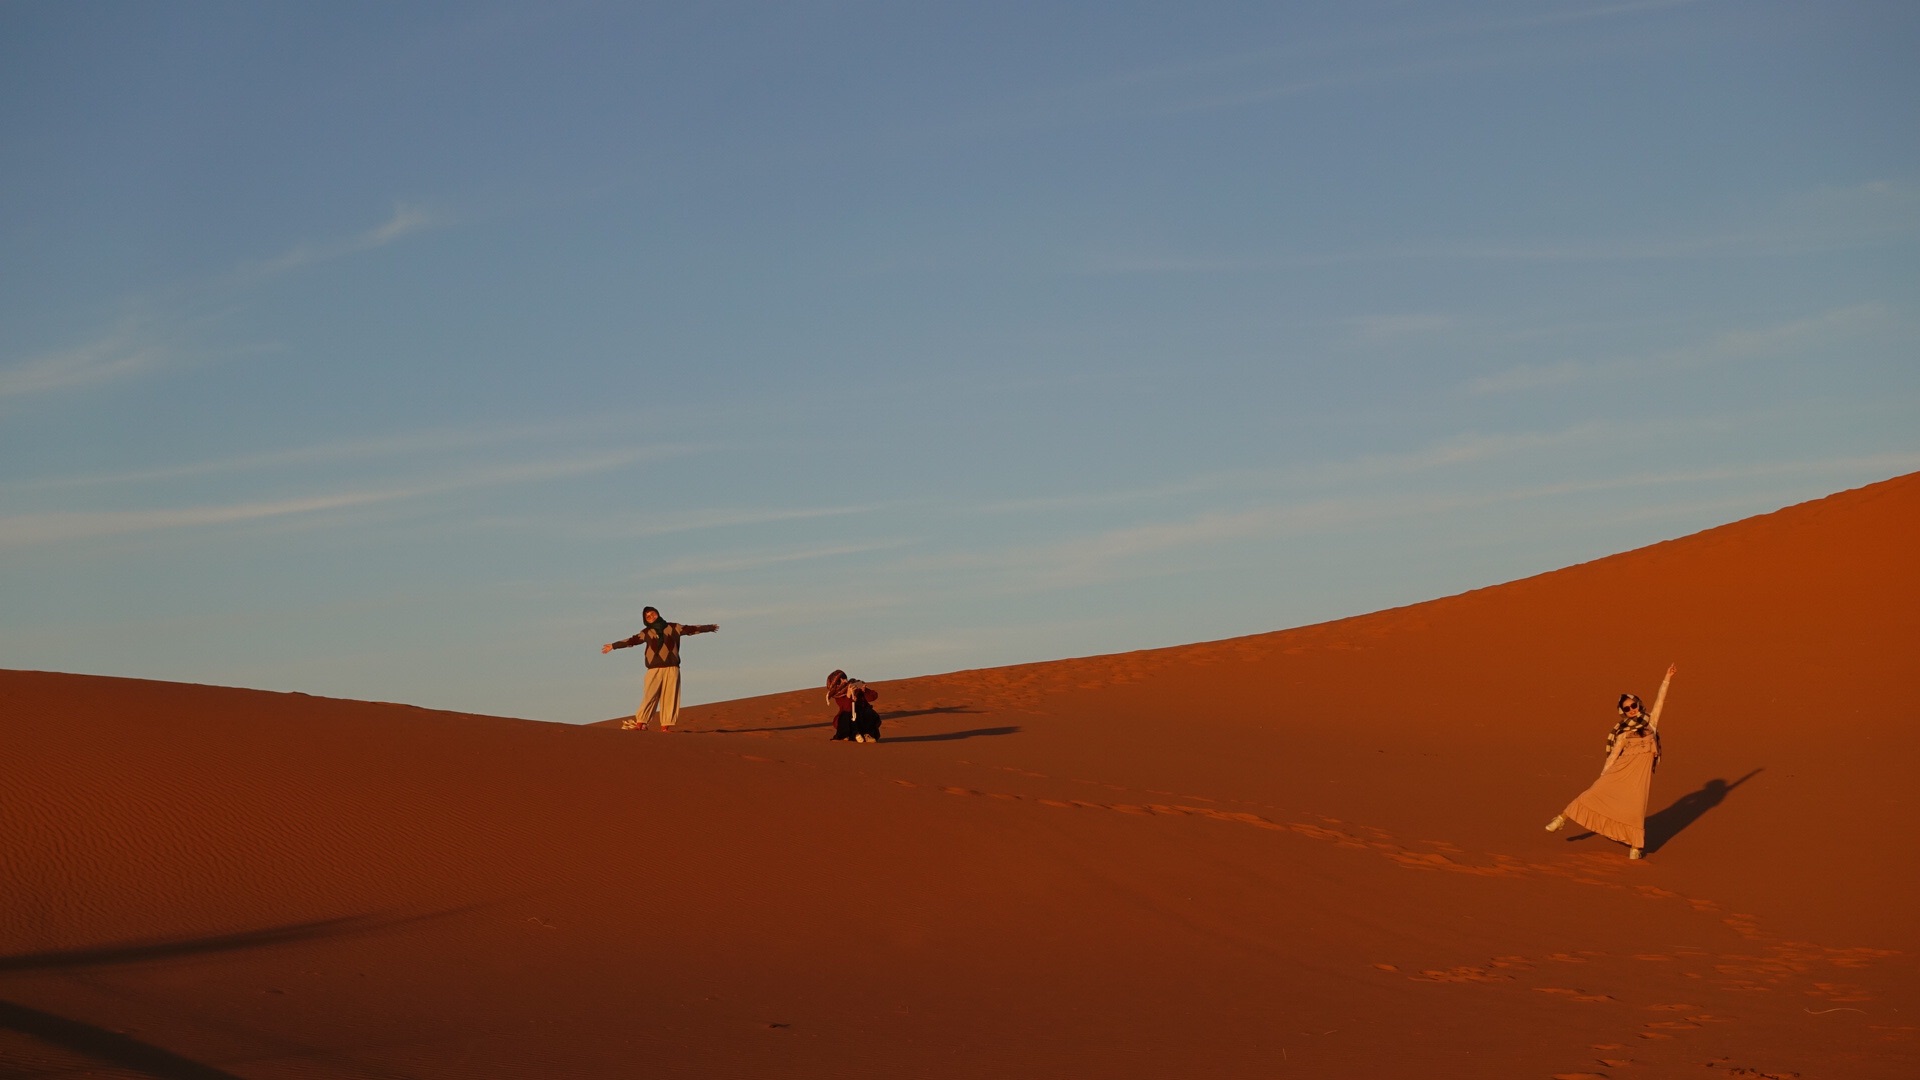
(1687, 809)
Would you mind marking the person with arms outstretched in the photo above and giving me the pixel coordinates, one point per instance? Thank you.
(1616, 805)
(662, 695)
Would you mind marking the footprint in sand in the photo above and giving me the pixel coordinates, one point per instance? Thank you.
(1572, 995)
(1465, 973)
(1839, 992)
(1857, 958)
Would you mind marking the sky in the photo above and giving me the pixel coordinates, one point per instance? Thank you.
(402, 352)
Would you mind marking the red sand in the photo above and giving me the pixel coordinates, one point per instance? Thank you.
(1315, 853)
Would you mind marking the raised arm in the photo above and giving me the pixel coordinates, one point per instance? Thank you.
(627, 644)
(1659, 699)
(703, 628)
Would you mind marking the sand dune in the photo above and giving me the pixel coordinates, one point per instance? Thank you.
(1312, 853)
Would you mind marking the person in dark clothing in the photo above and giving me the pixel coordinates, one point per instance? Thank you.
(854, 717)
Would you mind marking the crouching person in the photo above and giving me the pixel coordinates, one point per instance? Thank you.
(854, 717)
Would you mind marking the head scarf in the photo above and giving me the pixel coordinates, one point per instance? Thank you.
(657, 623)
(1632, 725)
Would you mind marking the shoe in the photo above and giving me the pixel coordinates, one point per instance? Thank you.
(1635, 854)
(1558, 820)
(664, 728)
(859, 738)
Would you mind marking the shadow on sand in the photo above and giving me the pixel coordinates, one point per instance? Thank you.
(938, 710)
(1687, 809)
(124, 1052)
(762, 730)
(950, 736)
(108, 1047)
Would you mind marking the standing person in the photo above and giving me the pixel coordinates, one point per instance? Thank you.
(854, 717)
(1616, 805)
(662, 695)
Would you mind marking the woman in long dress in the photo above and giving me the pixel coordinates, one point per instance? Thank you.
(1616, 805)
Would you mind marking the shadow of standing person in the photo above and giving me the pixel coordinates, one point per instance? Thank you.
(1688, 808)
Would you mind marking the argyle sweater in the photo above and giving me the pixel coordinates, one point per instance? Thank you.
(663, 645)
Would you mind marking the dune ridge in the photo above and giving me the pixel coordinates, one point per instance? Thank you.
(1314, 852)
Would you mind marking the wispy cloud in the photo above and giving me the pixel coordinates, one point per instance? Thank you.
(727, 517)
(1389, 51)
(695, 566)
(373, 447)
(1394, 329)
(1782, 240)
(1878, 466)
(1124, 265)
(1175, 546)
(1463, 449)
(154, 343)
(1568, 13)
(113, 356)
(1130, 551)
(1874, 215)
(405, 220)
(43, 527)
(1368, 75)
(1730, 345)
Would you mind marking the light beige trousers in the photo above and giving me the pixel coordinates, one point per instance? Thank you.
(660, 698)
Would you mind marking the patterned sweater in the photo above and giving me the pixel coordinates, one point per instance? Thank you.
(663, 645)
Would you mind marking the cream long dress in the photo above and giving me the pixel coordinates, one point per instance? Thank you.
(1616, 805)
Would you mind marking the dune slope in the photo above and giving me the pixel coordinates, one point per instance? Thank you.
(1311, 853)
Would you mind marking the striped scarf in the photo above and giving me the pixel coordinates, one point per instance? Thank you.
(1633, 725)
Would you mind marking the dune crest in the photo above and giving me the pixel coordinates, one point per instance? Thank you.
(1315, 852)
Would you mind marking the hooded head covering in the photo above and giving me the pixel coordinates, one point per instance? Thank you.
(835, 681)
(655, 623)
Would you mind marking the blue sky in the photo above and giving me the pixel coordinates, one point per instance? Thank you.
(403, 352)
